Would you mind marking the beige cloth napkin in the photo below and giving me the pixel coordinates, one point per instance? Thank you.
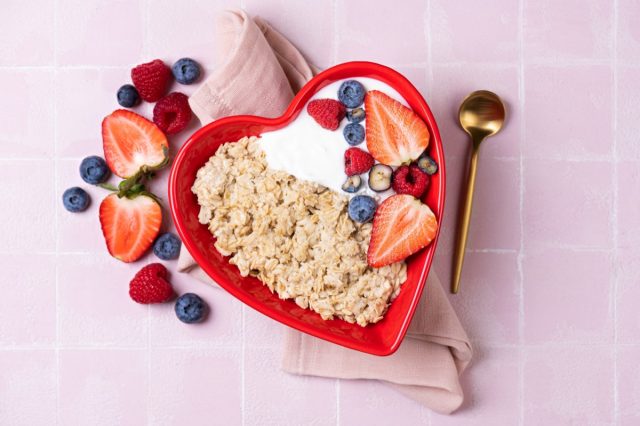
(260, 74)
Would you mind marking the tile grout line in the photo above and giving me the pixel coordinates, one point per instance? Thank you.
(145, 48)
(243, 362)
(56, 219)
(614, 219)
(521, 352)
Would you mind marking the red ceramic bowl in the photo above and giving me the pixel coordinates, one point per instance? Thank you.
(382, 338)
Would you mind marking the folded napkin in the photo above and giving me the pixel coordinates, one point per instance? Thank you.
(260, 74)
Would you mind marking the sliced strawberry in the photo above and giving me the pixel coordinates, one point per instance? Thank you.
(129, 225)
(402, 226)
(131, 143)
(395, 134)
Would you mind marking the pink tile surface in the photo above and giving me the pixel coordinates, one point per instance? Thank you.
(460, 80)
(566, 203)
(550, 286)
(568, 296)
(103, 386)
(493, 43)
(567, 30)
(629, 385)
(628, 108)
(37, 278)
(116, 320)
(195, 387)
(628, 31)
(100, 32)
(28, 387)
(27, 217)
(568, 385)
(491, 386)
(372, 403)
(548, 134)
(27, 33)
(26, 131)
(309, 400)
(489, 305)
(388, 37)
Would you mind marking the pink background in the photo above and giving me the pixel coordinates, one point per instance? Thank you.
(550, 288)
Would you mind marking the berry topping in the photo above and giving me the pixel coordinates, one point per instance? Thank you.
(190, 308)
(167, 246)
(328, 113)
(94, 170)
(151, 79)
(353, 133)
(410, 180)
(362, 208)
(357, 161)
(380, 177)
(130, 224)
(150, 285)
(427, 164)
(131, 143)
(172, 113)
(186, 71)
(128, 96)
(402, 226)
(351, 93)
(352, 184)
(395, 134)
(356, 115)
(75, 199)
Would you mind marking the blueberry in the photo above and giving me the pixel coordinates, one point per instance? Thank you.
(362, 208)
(75, 199)
(356, 115)
(427, 164)
(352, 184)
(351, 93)
(167, 246)
(128, 96)
(353, 133)
(190, 308)
(186, 71)
(94, 170)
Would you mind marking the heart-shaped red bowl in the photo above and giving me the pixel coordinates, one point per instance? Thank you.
(382, 338)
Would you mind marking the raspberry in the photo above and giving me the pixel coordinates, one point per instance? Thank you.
(410, 180)
(151, 80)
(328, 113)
(172, 113)
(357, 161)
(150, 285)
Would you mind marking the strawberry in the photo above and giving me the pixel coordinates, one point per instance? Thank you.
(152, 80)
(395, 134)
(402, 225)
(130, 224)
(410, 180)
(357, 161)
(150, 285)
(132, 144)
(328, 113)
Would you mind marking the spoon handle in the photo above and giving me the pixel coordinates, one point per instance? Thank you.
(463, 221)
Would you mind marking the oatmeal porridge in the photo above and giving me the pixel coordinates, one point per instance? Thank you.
(293, 235)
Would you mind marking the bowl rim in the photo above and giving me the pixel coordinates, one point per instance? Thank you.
(401, 84)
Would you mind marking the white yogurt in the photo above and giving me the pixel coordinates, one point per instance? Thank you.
(309, 152)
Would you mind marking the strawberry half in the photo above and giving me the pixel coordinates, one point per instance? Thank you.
(402, 226)
(129, 225)
(395, 134)
(132, 144)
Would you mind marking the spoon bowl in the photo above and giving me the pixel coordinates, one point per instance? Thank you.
(481, 115)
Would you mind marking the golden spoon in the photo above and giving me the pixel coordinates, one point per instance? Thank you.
(481, 114)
